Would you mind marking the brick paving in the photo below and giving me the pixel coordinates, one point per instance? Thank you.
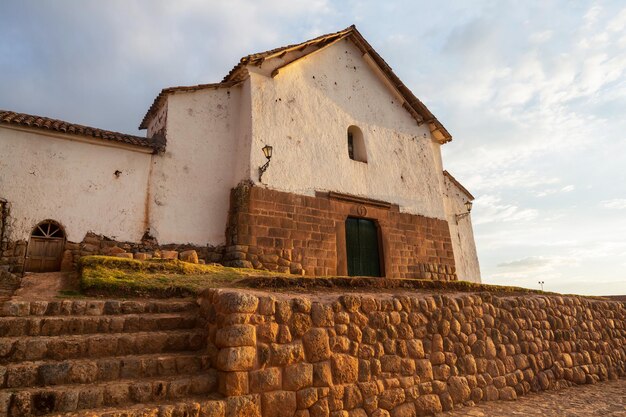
(602, 399)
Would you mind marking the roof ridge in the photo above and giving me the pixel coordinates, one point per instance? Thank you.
(412, 104)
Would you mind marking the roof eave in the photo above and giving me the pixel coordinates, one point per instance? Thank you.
(458, 185)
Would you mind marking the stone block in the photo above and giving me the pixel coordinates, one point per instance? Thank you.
(300, 323)
(286, 354)
(320, 408)
(236, 335)
(305, 398)
(236, 302)
(428, 404)
(424, 370)
(267, 332)
(169, 254)
(316, 345)
(322, 374)
(233, 383)
(243, 406)
(279, 403)
(298, 376)
(391, 398)
(190, 256)
(507, 394)
(459, 389)
(391, 364)
(345, 369)
(322, 315)
(415, 348)
(236, 358)
(212, 409)
(112, 251)
(264, 380)
(404, 410)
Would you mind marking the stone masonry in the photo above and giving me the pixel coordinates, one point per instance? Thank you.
(303, 235)
(404, 355)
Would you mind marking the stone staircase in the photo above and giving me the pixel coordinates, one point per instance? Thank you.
(104, 358)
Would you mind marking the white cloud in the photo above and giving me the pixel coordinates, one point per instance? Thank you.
(616, 204)
(541, 37)
(491, 209)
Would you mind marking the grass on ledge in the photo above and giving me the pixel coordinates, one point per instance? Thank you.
(107, 275)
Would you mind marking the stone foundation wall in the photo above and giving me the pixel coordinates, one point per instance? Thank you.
(304, 235)
(94, 244)
(404, 355)
(13, 254)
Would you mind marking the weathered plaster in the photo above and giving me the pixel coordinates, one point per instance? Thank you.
(461, 233)
(192, 179)
(304, 113)
(74, 183)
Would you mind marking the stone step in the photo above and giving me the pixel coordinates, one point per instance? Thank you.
(67, 325)
(18, 349)
(87, 371)
(72, 398)
(205, 406)
(20, 308)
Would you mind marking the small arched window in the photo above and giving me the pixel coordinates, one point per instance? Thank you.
(356, 145)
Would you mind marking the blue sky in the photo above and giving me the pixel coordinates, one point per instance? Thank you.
(534, 93)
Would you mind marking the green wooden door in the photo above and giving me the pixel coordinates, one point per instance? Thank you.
(362, 248)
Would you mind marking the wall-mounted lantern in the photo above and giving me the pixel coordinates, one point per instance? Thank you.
(267, 151)
(468, 206)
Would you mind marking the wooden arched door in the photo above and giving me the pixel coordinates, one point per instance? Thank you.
(45, 247)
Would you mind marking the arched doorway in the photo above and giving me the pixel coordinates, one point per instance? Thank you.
(362, 247)
(45, 247)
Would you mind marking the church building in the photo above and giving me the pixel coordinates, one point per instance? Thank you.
(310, 159)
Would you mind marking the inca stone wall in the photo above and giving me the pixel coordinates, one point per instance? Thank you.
(404, 355)
(304, 235)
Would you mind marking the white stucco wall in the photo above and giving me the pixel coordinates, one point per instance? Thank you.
(58, 177)
(191, 182)
(304, 113)
(461, 233)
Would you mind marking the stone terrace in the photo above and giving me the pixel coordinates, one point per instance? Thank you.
(244, 352)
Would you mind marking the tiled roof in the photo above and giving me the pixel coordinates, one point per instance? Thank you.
(413, 105)
(45, 123)
(458, 184)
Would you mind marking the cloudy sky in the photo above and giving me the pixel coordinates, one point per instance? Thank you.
(534, 93)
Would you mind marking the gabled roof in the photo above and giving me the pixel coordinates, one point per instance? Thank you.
(45, 123)
(458, 185)
(412, 104)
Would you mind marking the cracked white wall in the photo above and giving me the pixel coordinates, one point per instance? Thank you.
(190, 185)
(73, 182)
(304, 113)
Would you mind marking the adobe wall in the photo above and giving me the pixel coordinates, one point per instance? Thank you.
(306, 235)
(84, 185)
(461, 233)
(190, 182)
(304, 112)
(406, 354)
